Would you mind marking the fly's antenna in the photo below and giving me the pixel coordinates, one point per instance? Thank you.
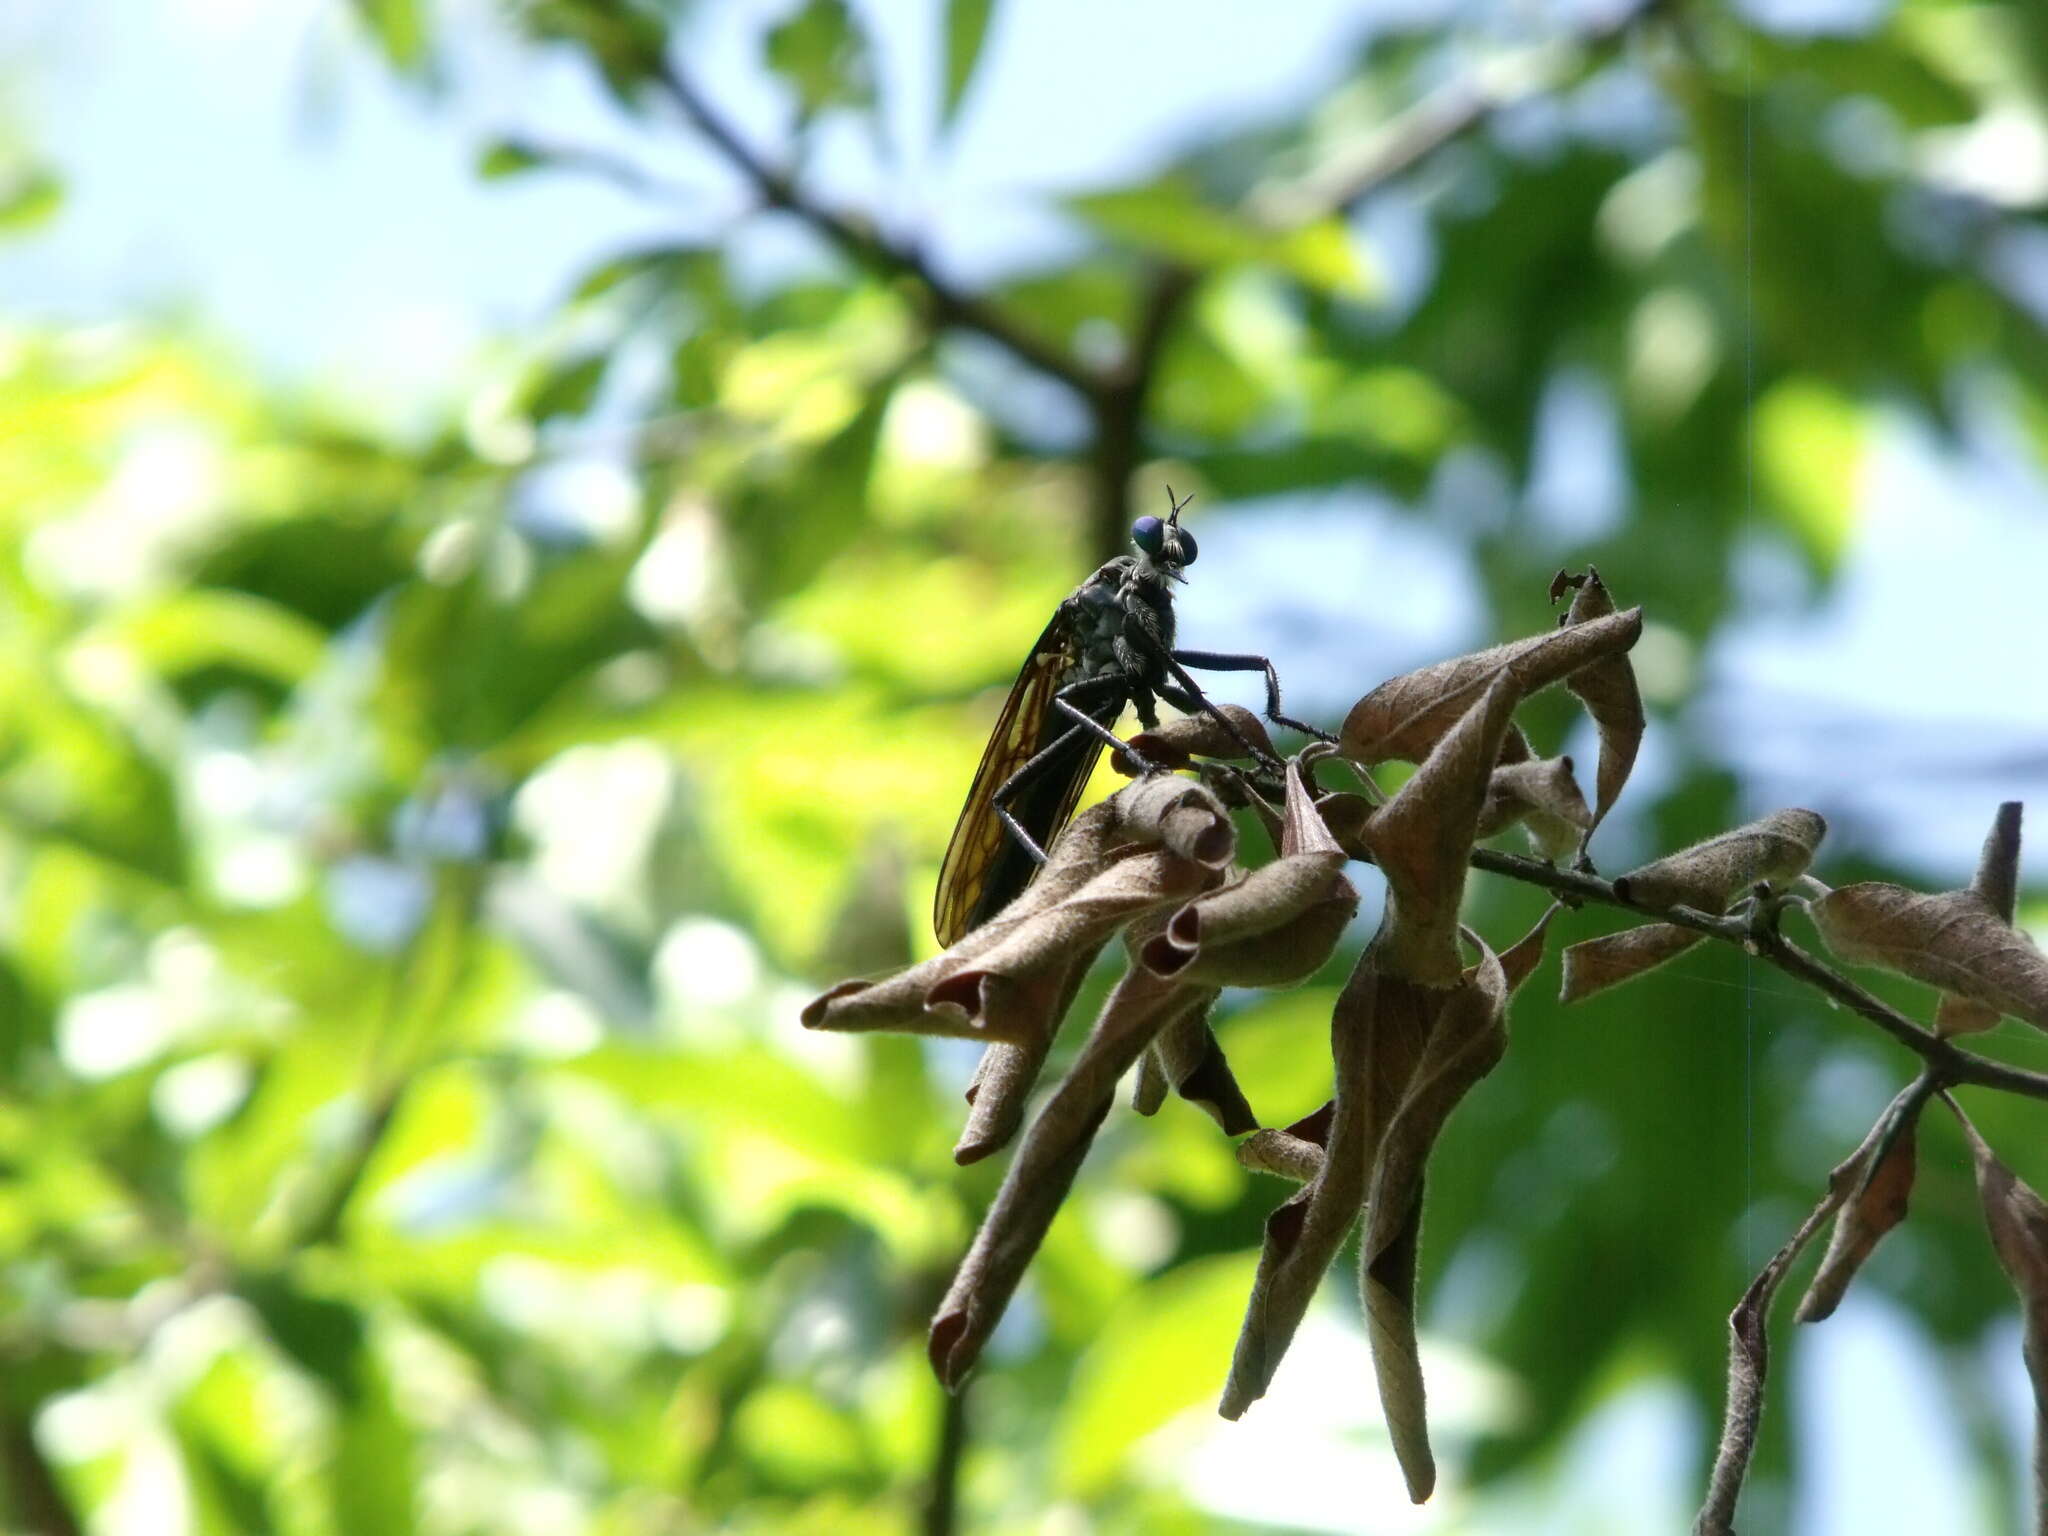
(1178, 504)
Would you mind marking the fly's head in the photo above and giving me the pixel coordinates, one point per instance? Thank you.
(1164, 547)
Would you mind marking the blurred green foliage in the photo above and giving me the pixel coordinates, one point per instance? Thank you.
(413, 855)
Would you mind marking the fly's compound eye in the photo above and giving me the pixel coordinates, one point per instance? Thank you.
(1185, 545)
(1149, 534)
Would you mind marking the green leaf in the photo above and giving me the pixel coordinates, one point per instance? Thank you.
(29, 201)
(508, 157)
(1157, 1355)
(188, 631)
(1171, 218)
(372, 1475)
(824, 58)
(567, 388)
(1810, 452)
(400, 30)
(967, 23)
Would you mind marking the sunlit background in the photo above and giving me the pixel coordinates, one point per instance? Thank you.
(493, 620)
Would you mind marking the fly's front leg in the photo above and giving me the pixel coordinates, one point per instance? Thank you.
(1222, 661)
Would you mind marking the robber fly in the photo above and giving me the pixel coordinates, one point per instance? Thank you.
(1109, 644)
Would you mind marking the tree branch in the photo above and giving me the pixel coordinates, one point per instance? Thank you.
(34, 1490)
(1120, 407)
(868, 248)
(1945, 1061)
(1445, 114)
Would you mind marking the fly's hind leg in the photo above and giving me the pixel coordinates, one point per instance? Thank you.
(1223, 661)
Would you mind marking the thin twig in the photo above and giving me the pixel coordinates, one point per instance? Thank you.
(603, 164)
(1948, 1062)
(1444, 115)
(942, 1493)
(869, 248)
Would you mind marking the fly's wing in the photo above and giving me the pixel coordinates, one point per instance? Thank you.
(980, 842)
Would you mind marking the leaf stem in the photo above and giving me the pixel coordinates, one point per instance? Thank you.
(1944, 1059)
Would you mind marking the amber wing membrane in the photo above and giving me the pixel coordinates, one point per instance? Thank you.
(979, 836)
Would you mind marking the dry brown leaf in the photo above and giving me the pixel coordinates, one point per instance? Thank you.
(1543, 797)
(1008, 1069)
(1749, 1363)
(1346, 814)
(1519, 960)
(1182, 815)
(2017, 1219)
(1387, 1289)
(1954, 941)
(1608, 690)
(1273, 927)
(1037, 1180)
(1148, 1093)
(1960, 1016)
(1405, 717)
(1594, 965)
(1998, 864)
(1709, 875)
(1178, 742)
(898, 1002)
(1997, 881)
(1281, 1153)
(1879, 1182)
(1466, 1041)
(1193, 1062)
(1001, 1089)
(1280, 957)
(998, 989)
(1378, 1031)
(1266, 898)
(1422, 839)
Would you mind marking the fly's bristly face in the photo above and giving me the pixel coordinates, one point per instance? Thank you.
(1164, 548)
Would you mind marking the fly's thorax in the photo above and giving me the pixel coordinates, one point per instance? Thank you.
(1097, 621)
(1147, 604)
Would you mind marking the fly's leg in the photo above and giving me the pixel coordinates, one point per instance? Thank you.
(1223, 661)
(1034, 769)
(1048, 757)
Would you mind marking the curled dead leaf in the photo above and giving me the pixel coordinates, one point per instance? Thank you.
(1405, 717)
(900, 1002)
(1466, 1040)
(1998, 863)
(1038, 1178)
(1594, 965)
(1284, 956)
(1346, 814)
(1608, 689)
(1182, 815)
(1542, 796)
(1709, 875)
(1178, 742)
(1379, 1030)
(1519, 960)
(1422, 839)
(2017, 1219)
(1749, 1364)
(1193, 1062)
(1954, 940)
(1878, 1182)
(1282, 1153)
(1000, 988)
